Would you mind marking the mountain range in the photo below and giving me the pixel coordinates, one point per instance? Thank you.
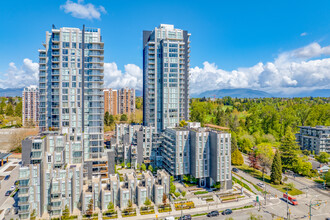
(218, 93)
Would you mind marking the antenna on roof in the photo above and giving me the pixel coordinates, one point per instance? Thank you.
(53, 26)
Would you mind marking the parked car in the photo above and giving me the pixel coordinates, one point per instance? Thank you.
(235, 170)
(170, 218)
(185, 217)
(227, 212)
(12, 188)
(8, 193)
(7, 177)
(213, 213)
(262, 185)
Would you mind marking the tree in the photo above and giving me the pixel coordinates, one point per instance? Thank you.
(289, 149)
(66, 212)
(106, 119)
(128, 165)
(237, 158)
(138, 166)
(143, 167)
(129, 204)
(111, 207)
(183, 123)
(111, 119)
(164, 198)
(150, 168)
(122, 164)
(183, 193)
(18, 109)
(90, 208)
(147, 202)
(276, 171)
(172, 186)
(9, 110)
(327, 178)
(123, 117)
(302, 166)
(253, 160)
(33, 215)
(246, 145)
(324, 157)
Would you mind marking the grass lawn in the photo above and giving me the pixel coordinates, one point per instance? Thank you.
(258, 174)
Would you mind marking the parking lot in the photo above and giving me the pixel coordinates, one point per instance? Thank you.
(11, 168)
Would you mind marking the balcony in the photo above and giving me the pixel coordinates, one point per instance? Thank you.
(55, 46)
(56, 66)
(55, 53)
(55, 39)
(55, 59)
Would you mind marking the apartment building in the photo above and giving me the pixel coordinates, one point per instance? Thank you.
(71, 88)
(165, 77)
(126, 101)
(30, 104)
(315, 139)
(120, 101)
(111, 101)
(201, 152)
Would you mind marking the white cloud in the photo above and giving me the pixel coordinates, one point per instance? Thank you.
(303, 34)
(83, 11)
(20, 77)
(115, 78)
(296, 70)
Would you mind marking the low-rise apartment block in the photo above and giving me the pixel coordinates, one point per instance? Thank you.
(315, 139)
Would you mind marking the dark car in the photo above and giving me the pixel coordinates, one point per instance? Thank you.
(7, 177)
(227, 212)
(213, 213)
(8, 193)
(235, 170)
(185, 217)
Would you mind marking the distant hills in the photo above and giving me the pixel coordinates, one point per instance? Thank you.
(12, 92)
(251, 93)
(234, 93)
(218, 93)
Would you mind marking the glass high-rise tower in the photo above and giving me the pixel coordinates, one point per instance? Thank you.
(68, 103)
(165, 76)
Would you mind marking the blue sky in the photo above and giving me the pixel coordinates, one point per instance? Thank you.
(225, 35)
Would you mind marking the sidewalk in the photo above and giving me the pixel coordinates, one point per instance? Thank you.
(198, 210)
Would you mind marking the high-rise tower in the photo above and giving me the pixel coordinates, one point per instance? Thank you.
(165, 77)
(68, 103)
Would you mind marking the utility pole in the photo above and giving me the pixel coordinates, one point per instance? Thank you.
(318, 203)
(287, 205)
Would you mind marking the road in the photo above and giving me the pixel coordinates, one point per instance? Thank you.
(8, 201)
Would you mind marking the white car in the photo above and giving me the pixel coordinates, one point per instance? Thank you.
(12, 188)
(262, 185)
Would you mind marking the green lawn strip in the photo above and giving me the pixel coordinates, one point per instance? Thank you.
(254, 185)
(231, 198)
(200, 192)
(319, 181)
(258, 175)
(242, 184)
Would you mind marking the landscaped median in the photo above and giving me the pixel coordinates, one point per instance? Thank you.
(164, 208)
(146, 210)
(184, 205)
(200, 192)
(258, 175)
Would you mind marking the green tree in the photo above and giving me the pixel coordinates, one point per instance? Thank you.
(123, 117)
(128, 165)
(289, 149)
(183, 123)
(18, 109)
(246, 145)
(111, 119)
(66, 212)
(122, 164)
(172, 186)
(90, 208)
(33, 215)
(9, 110)
(147, 202)
(237, 158)
(324, 157)
(327, 178)
(276, 171)
(183, 193)
(138, 166)
(106, 119)
(302, 166)
(150, 168)
(111, 207)
(143, 167)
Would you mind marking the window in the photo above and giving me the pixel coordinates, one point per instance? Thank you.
(65, 51)
(65, 44)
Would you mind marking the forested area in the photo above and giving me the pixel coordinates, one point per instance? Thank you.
(259, 127)
(10, 112)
